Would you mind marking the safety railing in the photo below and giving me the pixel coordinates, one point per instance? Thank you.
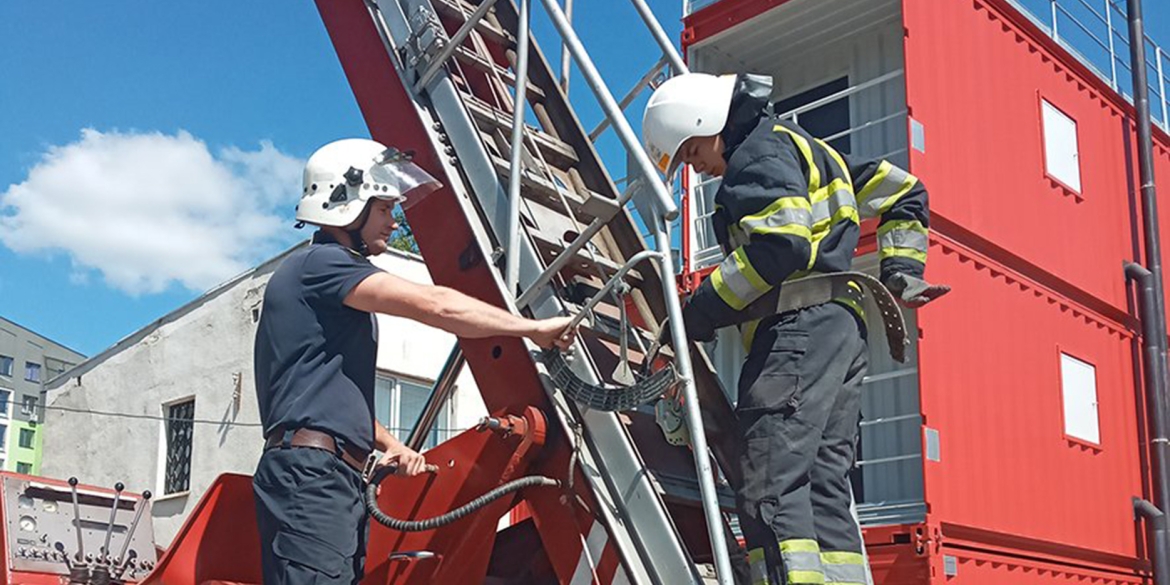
(1095, 32)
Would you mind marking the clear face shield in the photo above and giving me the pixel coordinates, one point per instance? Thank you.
(396, 174)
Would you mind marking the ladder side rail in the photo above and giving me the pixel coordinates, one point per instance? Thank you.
(618, 478)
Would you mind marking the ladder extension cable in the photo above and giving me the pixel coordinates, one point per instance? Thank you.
(456, 514)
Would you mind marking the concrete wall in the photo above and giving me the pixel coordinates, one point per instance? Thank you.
(203, 350)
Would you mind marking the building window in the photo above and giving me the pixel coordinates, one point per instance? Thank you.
(1061, 157)
(32, 372)
(3, 437)
(25, 468)
(28, 407)
(56, 367)
(27, 438)
(179, 427)
(5, 400)
(1078, 382)
(6, 365)
(399, 403)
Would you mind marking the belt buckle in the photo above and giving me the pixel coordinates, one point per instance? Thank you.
(370, 465)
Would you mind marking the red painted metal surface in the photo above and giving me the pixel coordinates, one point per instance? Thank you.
(219, 542)
(503, 370)
(720, 16)
(1036, 271)
(979, 102)
(469, 465)
(990, 383)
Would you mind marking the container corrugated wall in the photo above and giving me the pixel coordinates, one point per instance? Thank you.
(1012, 494)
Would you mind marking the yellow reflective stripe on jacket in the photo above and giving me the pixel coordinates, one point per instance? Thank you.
(906, 235)
(881, 192)
(842, 168)
(758, 566)
(833, 203)
(800, 545)
(806, 578)
(786, 215)
(814, 173)
(747, 332)
(843, 568)
(737, 282)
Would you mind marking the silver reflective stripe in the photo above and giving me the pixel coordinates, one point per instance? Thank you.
(824, 210)
(784, 216)
(893, 182)
(737, 282)
(758, 566)
(737, 236)
(844, 574)
(795, 560)
(912, 239)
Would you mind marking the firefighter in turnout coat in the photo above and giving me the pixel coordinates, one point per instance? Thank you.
(790, 207)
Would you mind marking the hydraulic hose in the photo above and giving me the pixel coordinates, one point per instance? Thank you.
(456, 514)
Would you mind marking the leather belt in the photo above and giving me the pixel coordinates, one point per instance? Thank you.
(311, 439)
(819, 289)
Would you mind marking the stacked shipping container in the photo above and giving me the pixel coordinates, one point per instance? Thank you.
(1031, 411)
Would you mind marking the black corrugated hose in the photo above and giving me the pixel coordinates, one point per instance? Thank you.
(453, 515)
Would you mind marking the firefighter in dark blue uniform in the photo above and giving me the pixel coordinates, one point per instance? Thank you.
(315, 356)
(789, 207)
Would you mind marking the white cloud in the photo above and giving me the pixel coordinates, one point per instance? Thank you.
(147, 209)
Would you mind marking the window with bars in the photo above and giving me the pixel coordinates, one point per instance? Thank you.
(398, 404)
(180, 427)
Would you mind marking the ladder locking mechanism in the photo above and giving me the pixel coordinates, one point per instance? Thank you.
(427, 39)
(634, 389)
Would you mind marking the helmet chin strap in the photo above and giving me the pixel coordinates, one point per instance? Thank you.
(355, 235)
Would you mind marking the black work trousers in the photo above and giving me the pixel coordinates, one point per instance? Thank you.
(312, 519)
(799, 408)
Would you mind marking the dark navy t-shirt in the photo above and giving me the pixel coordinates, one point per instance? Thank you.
(315, 358)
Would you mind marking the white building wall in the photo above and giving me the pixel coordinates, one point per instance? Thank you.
(203, 350)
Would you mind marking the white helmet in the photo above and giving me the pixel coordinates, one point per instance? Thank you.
(342, 176)
(692, 104)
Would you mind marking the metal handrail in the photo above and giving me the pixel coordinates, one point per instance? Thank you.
(664, 209)
(1058, 13)
(843, 93)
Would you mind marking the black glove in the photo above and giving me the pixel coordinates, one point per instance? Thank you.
(698, 325)
(913, 292)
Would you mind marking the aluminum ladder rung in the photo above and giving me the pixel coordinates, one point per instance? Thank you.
(556, 151)
(483, 64)
(459, 10)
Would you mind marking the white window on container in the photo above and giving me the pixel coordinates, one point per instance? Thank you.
(1061, 156)
(1078, 386)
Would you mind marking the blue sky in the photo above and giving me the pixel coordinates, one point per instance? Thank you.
(152, 149)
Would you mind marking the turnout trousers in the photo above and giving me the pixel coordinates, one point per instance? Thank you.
(312, 519)
(798, 413)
